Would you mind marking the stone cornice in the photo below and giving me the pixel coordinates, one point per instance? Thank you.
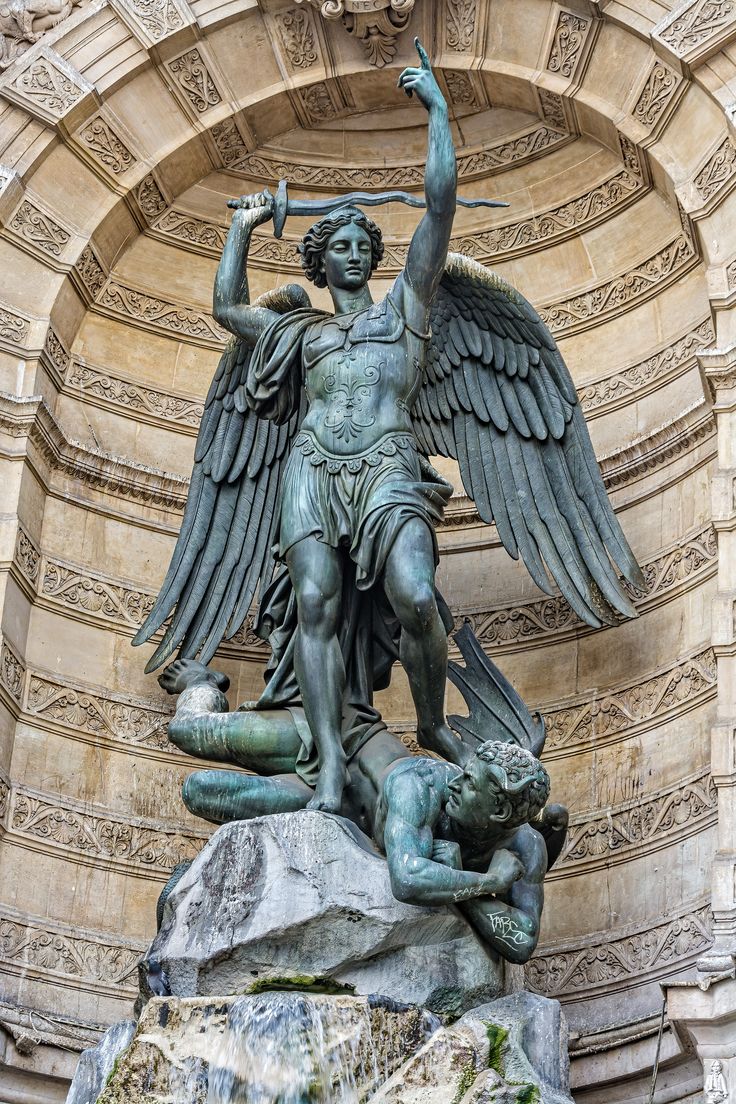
(499, 243)
(588, 308)
(549, 620)
(35, 947)
(646, 824)
(94, 835)
(615, 960)
(480, 161)
(132, 398)
(52, 451)
(590, 723)
(620, 293)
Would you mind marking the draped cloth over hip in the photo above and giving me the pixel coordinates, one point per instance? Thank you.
(357, 503)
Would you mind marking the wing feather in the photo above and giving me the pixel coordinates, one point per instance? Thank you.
(223, 553)
(498, 397)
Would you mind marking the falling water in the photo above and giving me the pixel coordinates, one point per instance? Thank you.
(285, 1048)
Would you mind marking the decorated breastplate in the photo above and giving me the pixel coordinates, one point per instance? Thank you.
(379, 323)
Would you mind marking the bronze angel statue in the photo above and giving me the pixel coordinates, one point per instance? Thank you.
(312, 486)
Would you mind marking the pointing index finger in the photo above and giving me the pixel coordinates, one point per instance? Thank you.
(422, 54)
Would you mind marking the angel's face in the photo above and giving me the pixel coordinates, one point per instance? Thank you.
(346, 261)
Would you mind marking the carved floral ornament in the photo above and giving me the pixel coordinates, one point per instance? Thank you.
(375, 23)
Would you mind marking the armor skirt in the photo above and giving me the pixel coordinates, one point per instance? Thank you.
(359, 502)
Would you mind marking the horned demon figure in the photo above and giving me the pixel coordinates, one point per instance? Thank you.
(313, 455)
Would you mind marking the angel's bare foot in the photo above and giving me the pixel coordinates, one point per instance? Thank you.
(443, 741)
(328, 791)
(183, 673)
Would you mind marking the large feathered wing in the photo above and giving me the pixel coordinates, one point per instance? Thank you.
(224, 550)
(498, 397)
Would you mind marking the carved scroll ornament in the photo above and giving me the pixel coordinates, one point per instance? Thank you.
(375, 23)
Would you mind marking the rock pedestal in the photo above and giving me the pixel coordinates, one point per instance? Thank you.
(279, 900)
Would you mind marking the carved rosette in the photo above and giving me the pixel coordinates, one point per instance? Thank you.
(375, 23)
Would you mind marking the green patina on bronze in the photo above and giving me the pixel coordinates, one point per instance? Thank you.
(313, 490)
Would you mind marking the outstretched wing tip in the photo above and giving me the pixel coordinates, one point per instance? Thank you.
(499, 398)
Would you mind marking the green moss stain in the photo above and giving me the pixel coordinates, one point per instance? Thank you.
(467, 1077)
(528, 1094)
(306, 983)
(497, 1037)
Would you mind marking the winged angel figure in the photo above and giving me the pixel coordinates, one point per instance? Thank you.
(313, 453)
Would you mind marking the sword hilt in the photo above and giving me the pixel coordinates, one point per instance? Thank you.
(280, 205)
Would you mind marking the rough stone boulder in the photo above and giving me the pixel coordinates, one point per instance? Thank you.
(271, 901)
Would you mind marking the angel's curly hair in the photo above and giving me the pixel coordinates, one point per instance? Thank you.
(520, 776)
(312, 246)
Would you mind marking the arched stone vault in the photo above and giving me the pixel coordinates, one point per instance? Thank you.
(608, 126)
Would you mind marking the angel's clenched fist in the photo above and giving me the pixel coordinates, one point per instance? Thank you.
(256, 208)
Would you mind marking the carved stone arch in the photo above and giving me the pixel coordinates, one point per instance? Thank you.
(74, 117)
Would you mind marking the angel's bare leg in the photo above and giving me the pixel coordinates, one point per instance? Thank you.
(266, 742)
(316, 575)
(220, 796)
(410, 588)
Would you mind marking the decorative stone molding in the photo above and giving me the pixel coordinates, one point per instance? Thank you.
(632, 158)
(90, 593)
(38, 947)
(133, 399)
(90, 272)
(26, 556)
(12, 671)
(697, 28)
(460, 20)
(229, 143)
(298, 37)
(149, 197)
(131, 482)
(142, 309)
(4, 795)
(316, 103)
(593, 722)
(718, 173)
(47, 86)
(510, 627)
(460, 88)
(552, 107)
(611, 960)
(122, 606)
(38, 229)
(205, 236)
(499, 243)
(604, 395)
(620, 469)
(657, 95)
(80, 829)
(568, 40)
(483, 161)
(151, 313)
(152, 20)
(55, 353)
(194, 81)
(83, 710)
(117, 476)
(105, 146)
(642, 825)
(622, 292)
(14, 327)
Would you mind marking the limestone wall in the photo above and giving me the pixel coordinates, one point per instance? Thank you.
(608, 128)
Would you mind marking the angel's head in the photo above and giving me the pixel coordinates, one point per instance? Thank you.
(503, 785)
(341, 250)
